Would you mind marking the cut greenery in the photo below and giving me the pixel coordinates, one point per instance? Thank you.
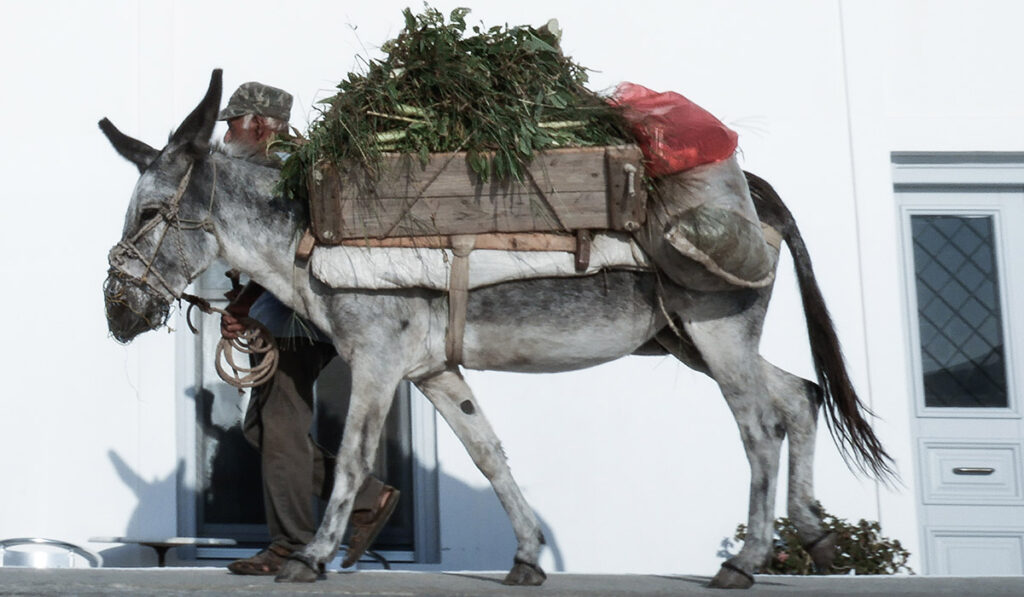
(500, 94)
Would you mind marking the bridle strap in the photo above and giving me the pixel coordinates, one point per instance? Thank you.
(255, 340)
(171, 215)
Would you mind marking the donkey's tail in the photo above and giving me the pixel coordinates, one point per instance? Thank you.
(845, 413)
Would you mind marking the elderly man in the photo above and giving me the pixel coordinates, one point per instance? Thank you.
(280, 413)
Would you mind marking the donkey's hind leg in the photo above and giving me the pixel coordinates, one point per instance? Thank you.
(799, 400)
(728, 348)
(452, 397)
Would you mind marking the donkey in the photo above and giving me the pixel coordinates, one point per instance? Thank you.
(192, 205)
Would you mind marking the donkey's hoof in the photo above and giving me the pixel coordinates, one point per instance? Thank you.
(526, 574)
(823, 551)
(297, 570)
(731, 577)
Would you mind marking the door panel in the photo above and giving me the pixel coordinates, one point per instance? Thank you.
(965, 288)
(976, 554)
(971, 473)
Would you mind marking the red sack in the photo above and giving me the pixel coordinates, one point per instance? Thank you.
(674, 133)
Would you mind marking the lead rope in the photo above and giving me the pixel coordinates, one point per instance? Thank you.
(255, 340)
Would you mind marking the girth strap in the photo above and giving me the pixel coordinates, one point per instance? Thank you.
(458, 297)
(772, 236)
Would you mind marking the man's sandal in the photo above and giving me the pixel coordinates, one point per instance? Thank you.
(367, 524)
(266, 563)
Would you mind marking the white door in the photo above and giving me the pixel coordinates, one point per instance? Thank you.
(964, 250)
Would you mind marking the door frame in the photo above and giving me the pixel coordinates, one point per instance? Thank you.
(989, 184)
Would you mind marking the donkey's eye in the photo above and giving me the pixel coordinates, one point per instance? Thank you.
(148, 213)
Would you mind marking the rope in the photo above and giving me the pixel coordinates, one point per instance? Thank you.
(255, 340)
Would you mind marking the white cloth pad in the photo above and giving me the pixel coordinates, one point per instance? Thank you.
(377, 268)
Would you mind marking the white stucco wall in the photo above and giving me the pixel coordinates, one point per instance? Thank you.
(635, 466)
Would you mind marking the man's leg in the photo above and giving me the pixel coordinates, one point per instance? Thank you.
(290, 458)
(278, 422)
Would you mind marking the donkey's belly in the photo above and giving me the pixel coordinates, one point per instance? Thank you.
(559, 324)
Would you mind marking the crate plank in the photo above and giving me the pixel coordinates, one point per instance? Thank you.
(563, 190)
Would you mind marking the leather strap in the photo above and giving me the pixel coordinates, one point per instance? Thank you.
(772, 236)
(307, 242)
(458, 297)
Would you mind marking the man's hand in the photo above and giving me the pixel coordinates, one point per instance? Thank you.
(230, 326)
(238, 308)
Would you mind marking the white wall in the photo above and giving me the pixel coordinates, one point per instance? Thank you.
(924, 76)
(634, 466)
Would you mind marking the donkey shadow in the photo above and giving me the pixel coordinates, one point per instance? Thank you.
(476, 533)
(155, 514)
(475, 530)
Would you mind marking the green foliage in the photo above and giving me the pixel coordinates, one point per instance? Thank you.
(859, 547)
(500, 94)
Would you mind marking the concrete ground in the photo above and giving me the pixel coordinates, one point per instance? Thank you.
(164, 582)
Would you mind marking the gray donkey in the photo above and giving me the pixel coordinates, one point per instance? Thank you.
(192, 206)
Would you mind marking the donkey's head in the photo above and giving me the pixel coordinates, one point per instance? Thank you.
(167, 239)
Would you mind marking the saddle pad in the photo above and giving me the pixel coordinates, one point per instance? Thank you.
(376, 268)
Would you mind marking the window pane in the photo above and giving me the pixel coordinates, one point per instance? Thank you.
(958, 309)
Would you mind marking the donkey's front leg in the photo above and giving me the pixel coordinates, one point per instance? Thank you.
(372, 394)
(452, 397)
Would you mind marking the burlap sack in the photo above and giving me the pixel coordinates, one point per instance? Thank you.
(703, 232)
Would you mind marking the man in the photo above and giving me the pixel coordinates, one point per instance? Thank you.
(280, 412)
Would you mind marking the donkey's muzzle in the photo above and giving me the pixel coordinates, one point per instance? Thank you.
(132, 307)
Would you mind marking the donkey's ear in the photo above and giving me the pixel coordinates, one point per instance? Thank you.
(133, 150)
(193, 134)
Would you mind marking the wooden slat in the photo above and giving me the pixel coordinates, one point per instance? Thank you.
(564, 190)
(498, 241)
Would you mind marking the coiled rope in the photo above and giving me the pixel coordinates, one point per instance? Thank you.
(256, 343)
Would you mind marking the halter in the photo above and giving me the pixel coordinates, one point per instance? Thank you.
(254, 340)
(126, 250)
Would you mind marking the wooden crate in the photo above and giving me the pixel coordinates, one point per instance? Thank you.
(564, 190)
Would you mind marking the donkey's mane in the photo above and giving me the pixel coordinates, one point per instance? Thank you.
(298, 209)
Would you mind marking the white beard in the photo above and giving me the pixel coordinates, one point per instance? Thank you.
(250, 153)
(238, 150)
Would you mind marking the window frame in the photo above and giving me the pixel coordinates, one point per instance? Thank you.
(189, 375)
(961, 184)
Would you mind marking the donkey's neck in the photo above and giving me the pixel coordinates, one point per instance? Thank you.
(258, 232)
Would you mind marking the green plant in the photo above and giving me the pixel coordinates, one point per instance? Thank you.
(860, 548)
(500, 94)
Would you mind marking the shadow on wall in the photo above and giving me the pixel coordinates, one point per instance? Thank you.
(475, 530)
(476, 533)
(154, 516)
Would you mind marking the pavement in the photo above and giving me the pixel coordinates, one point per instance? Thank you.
(163, 582)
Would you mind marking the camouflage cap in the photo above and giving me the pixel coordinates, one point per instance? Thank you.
(257, 98)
